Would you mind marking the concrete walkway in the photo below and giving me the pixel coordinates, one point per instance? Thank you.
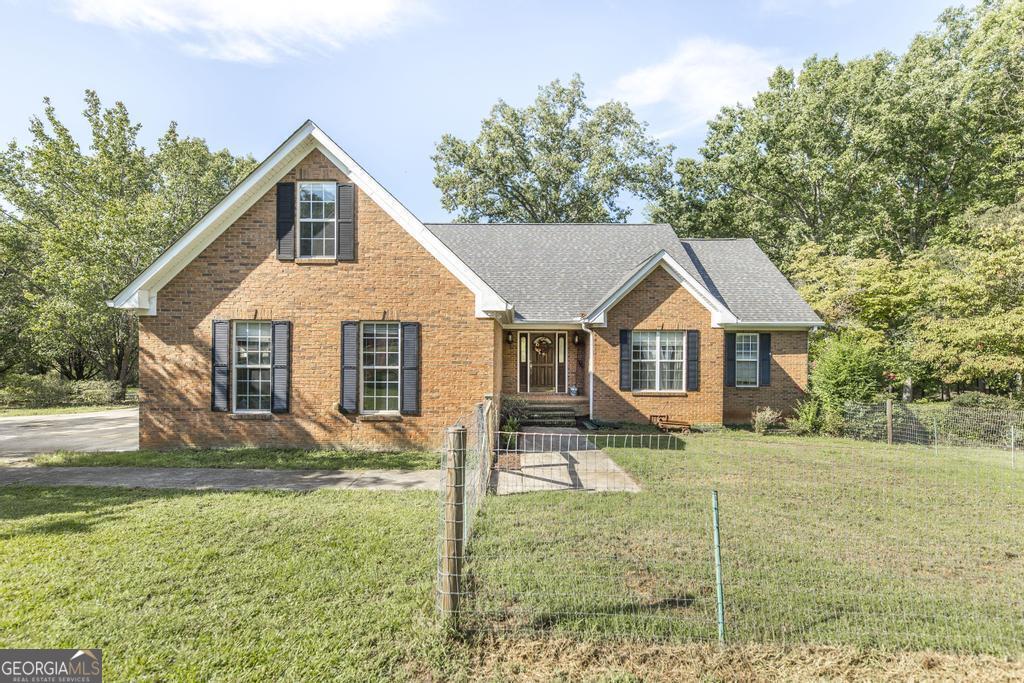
(107, 430)
(204, 478)
(558, 459)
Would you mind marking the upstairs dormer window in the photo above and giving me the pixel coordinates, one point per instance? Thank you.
(318, 220)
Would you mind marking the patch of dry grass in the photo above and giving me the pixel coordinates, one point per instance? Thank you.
(547, 659)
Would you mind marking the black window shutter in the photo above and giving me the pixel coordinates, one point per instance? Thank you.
(409, 398)
(346, 223)
(764, 349)
(692, 360)
(281, 364)
(220, 382)
(730, 359)
(286, 221)
(626, 360)
(349, 367)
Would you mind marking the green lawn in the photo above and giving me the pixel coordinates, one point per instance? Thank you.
(258, 458)
(63, 410)
(232, 586)
(824, 541)
(850, 551)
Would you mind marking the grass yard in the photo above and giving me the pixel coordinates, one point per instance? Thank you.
(233, 586)
(253, 458)
(824, 541)
(63, 410)
(887, 559)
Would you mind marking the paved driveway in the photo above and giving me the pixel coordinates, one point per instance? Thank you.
(108, 430)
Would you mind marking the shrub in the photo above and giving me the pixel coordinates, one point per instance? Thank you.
(510, 424)
(807, 419)
(513, 407)
(40, 391)
(845, 370)
(976, 399)
(763, 418)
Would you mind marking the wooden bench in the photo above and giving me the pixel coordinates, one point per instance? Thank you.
(666, 424)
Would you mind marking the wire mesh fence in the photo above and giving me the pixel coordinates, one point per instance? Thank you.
(823, 541)
(997, 432)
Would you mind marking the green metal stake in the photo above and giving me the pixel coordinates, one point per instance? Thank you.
(935, 429)
(718, 570)
(1013, 447)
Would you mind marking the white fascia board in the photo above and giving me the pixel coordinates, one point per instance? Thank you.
(542, 325)
(720, 315)
(755, 326)
(256, 184)
(488, 302)
(210, 226)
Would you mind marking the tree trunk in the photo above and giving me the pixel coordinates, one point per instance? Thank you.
(908, 390)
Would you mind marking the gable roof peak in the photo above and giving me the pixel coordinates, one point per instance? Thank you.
(141, 294)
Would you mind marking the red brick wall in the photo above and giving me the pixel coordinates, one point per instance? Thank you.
(659, 302)
(239, 277)
(788, 381)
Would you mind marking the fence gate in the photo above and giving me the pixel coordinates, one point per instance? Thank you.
(574, 533)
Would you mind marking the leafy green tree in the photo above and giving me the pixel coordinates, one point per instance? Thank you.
(16, 258)
(93, 219)
(869, 157)
(970, 323)
(557, 160)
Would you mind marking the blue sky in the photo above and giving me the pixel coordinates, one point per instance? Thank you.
(387, 79)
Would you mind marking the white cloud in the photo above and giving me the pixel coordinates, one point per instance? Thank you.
(697, 80)
(260, 31)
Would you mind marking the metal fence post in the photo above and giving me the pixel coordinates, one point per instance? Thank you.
(454, 507)
(935, 431)
(1013, 447)
(719, 593)
(888, 421)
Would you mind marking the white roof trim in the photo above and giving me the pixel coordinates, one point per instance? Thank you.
(140, 295)
(754, 325)
(720, 315)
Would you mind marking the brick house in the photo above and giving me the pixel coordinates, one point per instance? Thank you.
(309, 307)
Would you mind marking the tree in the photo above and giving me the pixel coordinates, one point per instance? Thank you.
(970, 324)
(92, 220)
(555, 161)
(869, 157)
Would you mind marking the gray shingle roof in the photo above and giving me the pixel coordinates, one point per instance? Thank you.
(560, 272)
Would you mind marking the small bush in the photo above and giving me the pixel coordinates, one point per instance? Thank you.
(976, 399)
(807, 419)
(846, 370)
(511, 424)
(763, 418)
(43, 391)
(513, 407)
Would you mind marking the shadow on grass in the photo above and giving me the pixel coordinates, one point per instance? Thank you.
(71, 510)
(247, 458)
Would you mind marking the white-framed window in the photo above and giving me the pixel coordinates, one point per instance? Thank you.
(659, 360)
(251, 366)
(318, 219)
(747, 359)
(380, 367)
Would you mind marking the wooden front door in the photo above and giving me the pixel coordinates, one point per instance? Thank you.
(542, 361)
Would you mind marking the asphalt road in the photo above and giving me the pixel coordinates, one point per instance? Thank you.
(108, 430)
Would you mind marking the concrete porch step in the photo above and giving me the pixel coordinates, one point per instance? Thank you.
(549, 408)
(550, 421)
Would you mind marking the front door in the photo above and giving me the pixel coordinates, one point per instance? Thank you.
(542, 361)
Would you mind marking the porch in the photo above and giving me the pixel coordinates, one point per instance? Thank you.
(546, 366)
